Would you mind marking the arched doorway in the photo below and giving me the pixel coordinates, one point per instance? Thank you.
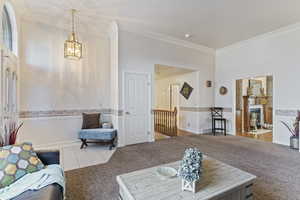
(9, 29)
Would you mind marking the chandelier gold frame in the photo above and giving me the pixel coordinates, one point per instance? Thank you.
(73, 48)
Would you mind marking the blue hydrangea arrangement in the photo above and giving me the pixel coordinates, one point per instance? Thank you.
(191, 165)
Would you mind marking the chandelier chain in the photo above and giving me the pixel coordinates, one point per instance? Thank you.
(73, 26)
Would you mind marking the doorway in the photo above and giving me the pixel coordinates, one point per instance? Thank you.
(254, 108)
(168, 82)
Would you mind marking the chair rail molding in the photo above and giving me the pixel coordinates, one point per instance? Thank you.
(286, 112)
(67, 113)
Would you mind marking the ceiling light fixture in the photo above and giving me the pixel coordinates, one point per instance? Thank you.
(73, 48)
(187, 35)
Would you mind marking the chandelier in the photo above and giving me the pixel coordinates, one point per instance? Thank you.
(73, 48)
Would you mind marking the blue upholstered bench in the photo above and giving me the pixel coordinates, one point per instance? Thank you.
(96, 135)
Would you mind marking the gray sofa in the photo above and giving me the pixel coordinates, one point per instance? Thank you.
(51, 192)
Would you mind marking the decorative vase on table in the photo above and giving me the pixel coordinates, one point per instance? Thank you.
(190, 169)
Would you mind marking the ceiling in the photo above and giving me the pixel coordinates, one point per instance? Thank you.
(212, 23)
(163, 71)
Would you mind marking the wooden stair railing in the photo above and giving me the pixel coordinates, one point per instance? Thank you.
(165, 122)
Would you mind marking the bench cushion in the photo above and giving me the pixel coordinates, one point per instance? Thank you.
(98, 134)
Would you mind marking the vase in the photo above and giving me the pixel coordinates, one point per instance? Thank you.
(189, 186)
(294, 142)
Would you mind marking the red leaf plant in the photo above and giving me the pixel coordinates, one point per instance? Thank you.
(14, 132)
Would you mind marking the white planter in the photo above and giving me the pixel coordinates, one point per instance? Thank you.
(189, 186)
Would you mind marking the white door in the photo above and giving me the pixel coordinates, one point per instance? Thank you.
(174, 96)
(175, 99)
(137, 108)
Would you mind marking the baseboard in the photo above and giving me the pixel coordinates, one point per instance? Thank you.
(189, 130)
(202, 131)
(61, 143)
(205, 131)
(280, 143)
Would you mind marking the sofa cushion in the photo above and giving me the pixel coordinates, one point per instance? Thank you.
(17, 161)
(91, 120)
(48, 157)
(98, 134)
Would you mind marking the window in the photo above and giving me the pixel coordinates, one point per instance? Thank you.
(7, 29)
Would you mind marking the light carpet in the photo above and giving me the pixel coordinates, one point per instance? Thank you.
(277, 167)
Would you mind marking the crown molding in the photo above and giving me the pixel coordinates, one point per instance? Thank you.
(265, 36)
(171, 40)
(101, 30)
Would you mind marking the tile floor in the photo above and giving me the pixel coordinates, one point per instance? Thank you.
(72, 157)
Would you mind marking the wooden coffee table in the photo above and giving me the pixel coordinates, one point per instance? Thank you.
(219, 182)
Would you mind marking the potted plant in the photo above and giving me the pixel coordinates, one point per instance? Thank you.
(14, 132)
(294, 130)
(190, 169)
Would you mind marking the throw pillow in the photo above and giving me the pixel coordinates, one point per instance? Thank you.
(90, 121)
(17, 161)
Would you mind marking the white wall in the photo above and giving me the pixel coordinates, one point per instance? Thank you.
(274, 54)
(140, 54)
(48, 81)
(162, 90)
(46, 76)
(193, 119)
(52, 130)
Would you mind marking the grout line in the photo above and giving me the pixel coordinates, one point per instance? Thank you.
(73, 152)
(61, 157)
(76, 157)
